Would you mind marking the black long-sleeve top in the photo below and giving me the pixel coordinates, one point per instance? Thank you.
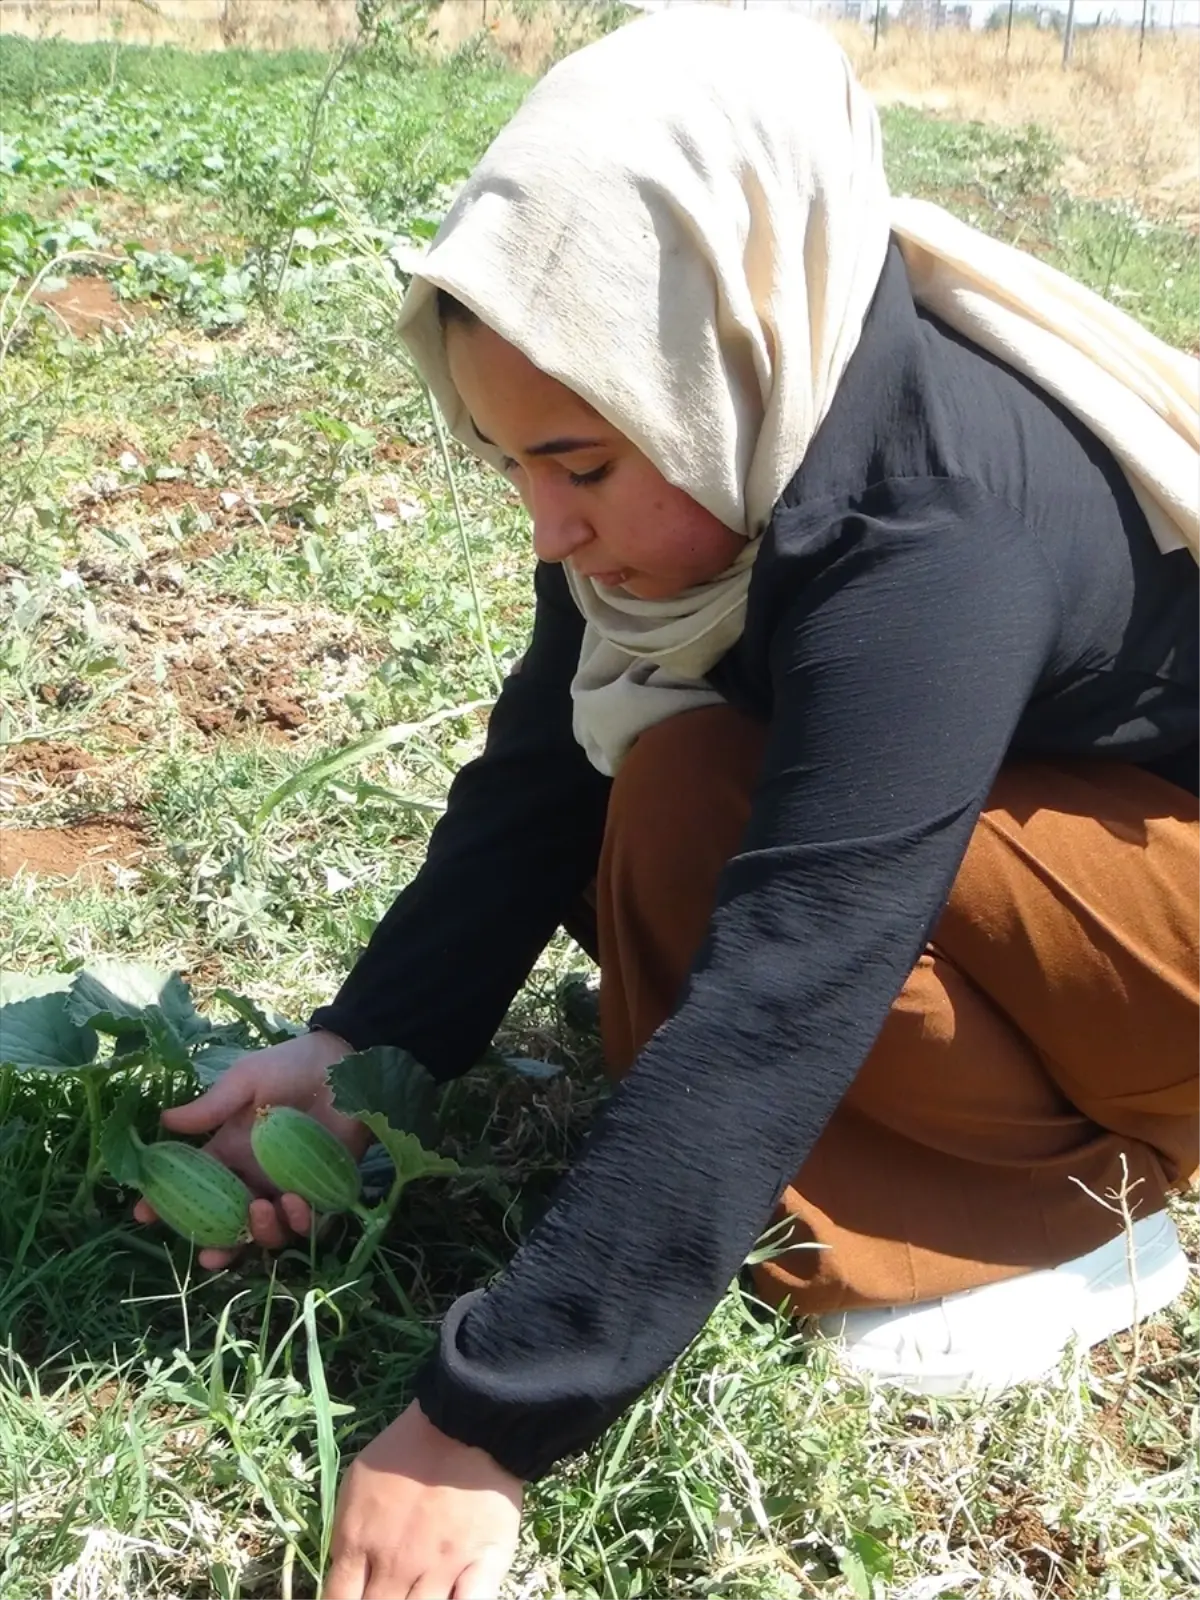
(957, 573)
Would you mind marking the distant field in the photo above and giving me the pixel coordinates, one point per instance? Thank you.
(228, 550)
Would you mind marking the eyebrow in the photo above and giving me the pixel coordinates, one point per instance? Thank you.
(550, 447)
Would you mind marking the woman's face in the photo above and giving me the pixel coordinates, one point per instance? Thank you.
(594, 498)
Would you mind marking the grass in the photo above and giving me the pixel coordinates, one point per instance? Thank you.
(227, 547)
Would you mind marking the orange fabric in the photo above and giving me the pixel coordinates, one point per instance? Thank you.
(1050, 1025)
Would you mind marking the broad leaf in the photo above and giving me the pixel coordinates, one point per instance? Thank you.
(165, 1042)
(409, 1156)
(119, 1145)
(211, 1062)
(115, 997)
(866, 1564)
(390, 1082)
(40, 1034)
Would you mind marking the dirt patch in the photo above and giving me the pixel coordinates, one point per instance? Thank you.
(1049, 1557)
(92, 851)
(265, 414)
(87, 306)
(57, 764)
(228, 667)
(225, 507)
(1159, 1349)
(220, 692)
(398, 452)
(202, 442)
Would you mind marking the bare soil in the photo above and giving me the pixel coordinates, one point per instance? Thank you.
(229, 667)
(202, 442)
(227, 506)
(1050, 1557)
(34, 770)
(86, 306)
(84, 850)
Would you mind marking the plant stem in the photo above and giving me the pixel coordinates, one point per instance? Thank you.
(95, 1163)
(349, 48)
(374, 1220)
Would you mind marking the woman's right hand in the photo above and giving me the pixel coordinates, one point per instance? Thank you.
(293, 1073)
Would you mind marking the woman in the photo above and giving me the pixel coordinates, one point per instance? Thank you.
(863, 685)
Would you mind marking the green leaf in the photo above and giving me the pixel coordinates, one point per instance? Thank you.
(213, 1060)
(409, 1156)
(389, 1082)
(863, 1561)
(39, 1034)
(268, 1025)
(165, 1043)
(120, 1147)
(139, 1006)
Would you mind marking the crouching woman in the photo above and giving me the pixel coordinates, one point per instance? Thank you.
(861, 706)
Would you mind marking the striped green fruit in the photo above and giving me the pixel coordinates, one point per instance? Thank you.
(301, 1156)
(194, 1193)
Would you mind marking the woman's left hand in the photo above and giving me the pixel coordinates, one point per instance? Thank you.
(424, 1517)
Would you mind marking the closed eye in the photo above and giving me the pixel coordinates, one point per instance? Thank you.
(596, 475)
(581, 480)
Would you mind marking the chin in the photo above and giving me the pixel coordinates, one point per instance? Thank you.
(643, 588)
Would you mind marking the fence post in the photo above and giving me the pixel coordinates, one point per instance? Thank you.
(1068, 34)
(875, 41)
(1142, 34)
(1008, 32)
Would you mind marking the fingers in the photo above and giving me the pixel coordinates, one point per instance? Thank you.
(296, 1213)
(234, 1090)
(482, 1580)
(347, 1578)
(272, 1225)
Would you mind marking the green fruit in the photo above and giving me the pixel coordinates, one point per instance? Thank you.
(301, 1156)
(194, 1193)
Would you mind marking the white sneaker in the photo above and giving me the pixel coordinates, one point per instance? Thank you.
(984, 1340)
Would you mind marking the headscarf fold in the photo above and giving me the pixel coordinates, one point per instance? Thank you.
(685, 224)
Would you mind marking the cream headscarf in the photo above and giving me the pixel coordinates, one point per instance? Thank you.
(685, 224)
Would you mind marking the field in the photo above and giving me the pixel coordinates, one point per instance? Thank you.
(246, 625)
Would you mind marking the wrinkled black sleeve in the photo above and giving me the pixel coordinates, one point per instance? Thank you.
(519, 841)
(910, 638)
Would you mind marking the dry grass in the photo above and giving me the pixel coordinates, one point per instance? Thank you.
(191, 24)
(1130, 128)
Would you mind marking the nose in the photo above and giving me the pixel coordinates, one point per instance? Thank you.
(558, 528)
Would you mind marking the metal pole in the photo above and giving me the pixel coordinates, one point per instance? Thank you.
(878, 8)
(1068, 34)
(1008, 35)
(1142, 34)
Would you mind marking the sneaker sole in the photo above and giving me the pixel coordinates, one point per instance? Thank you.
(983, 1341)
